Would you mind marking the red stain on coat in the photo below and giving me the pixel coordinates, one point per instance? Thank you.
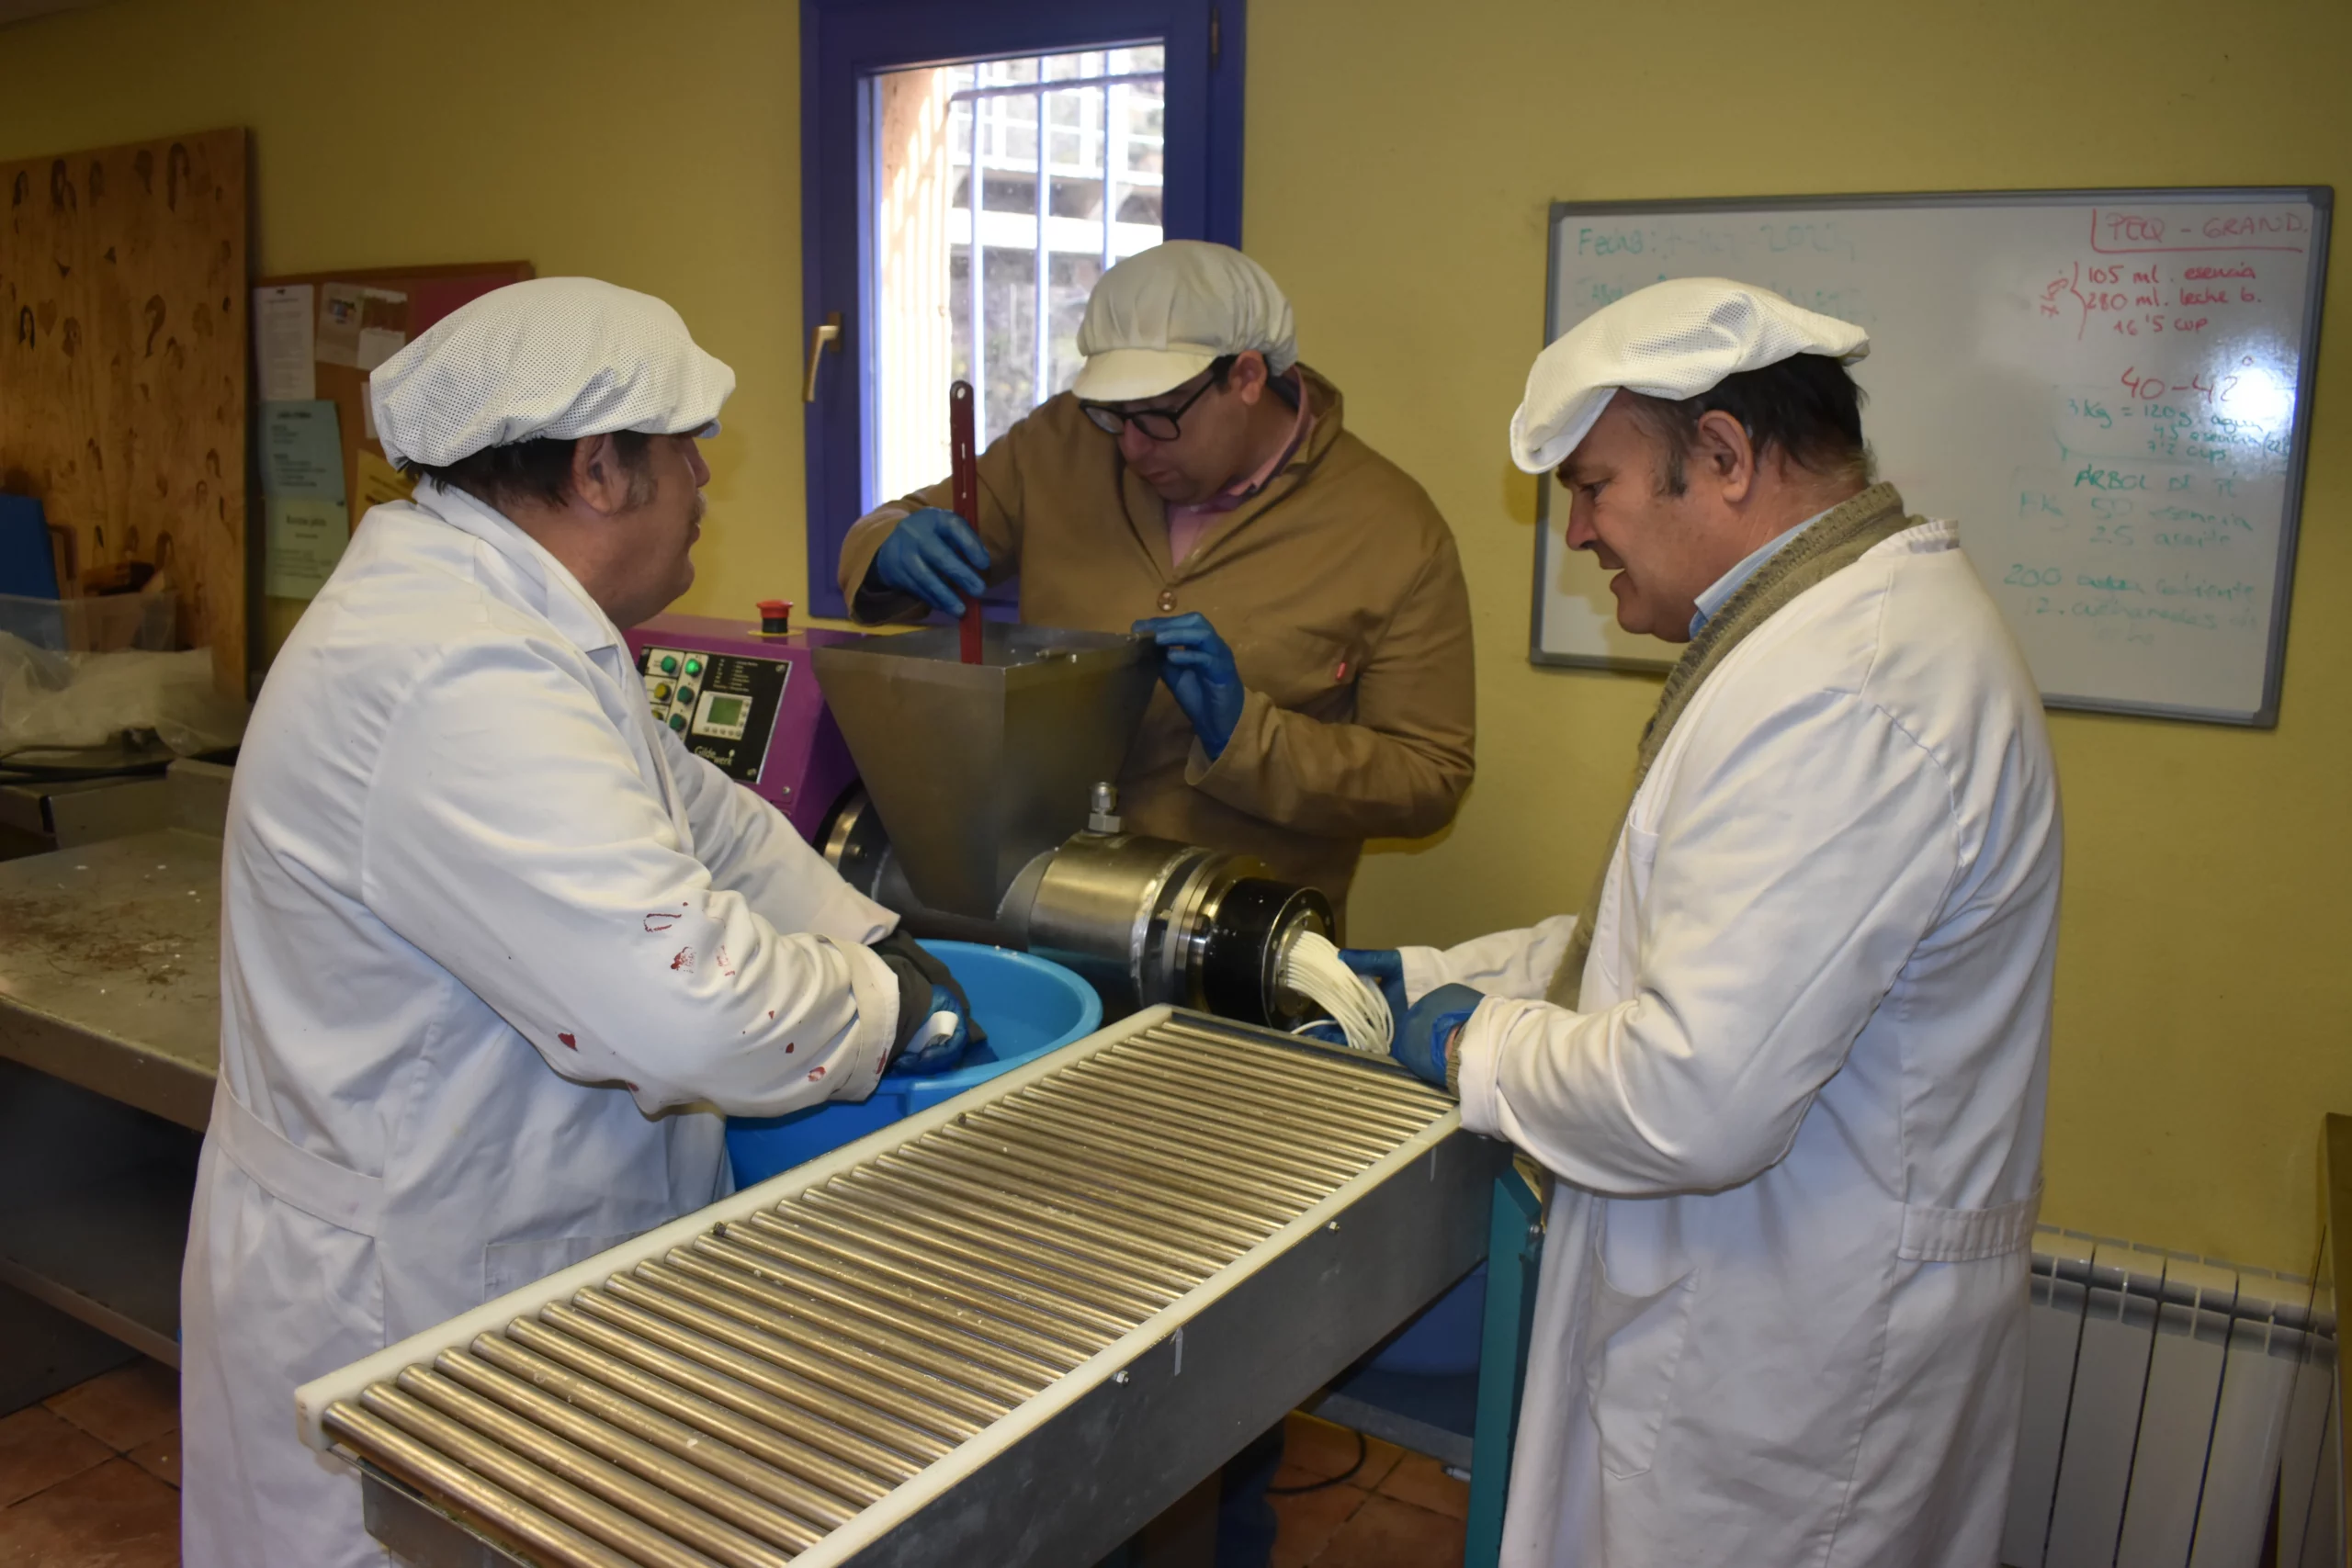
(725, 967)
(660, 920)
(816, 1073)
(787, 1044)
(569, 1041)
(684, 959)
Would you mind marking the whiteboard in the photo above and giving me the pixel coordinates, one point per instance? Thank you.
(2108, 390)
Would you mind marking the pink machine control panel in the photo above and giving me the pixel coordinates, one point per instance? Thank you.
(747, 701)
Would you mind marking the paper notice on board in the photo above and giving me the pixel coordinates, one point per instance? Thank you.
(379, 482)
(301, 450)
(282, 336)
(340, 305)
(383, 326)
(306, 538)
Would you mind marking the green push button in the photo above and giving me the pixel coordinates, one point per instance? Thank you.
(685, 694)
(669, 664)
(678, 721)
(694, 666)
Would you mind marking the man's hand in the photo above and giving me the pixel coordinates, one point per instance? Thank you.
(1200, 673)
(933, 555)
(1385, 967)
(939, 1041)
(936, 1021)
(1428, 1030)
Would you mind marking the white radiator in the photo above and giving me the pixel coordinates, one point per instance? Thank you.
(2170, 1402)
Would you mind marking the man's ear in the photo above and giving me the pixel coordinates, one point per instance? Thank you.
(1723, 454)
(1249, 376)
(600, 480)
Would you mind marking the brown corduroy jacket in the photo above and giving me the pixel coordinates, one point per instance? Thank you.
(1337, 587)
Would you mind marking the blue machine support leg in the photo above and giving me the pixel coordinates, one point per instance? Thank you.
(1514, 1251)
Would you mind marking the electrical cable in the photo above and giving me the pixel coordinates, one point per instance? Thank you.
(1312, 968)
(1363, 1453)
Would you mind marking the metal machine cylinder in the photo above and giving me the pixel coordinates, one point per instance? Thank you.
(1146, 920)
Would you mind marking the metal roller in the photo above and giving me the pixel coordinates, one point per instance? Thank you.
(705, 1445)
(767, 1440)
(1093, 1315)
(635, 1539)
(886, 1364)
(714, 1495)
(737, 1380)
(468, 1498)
(998, 1331)
(662, 1509)
(715, 1262)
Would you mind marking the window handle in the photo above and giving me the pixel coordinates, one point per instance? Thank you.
(826, 336)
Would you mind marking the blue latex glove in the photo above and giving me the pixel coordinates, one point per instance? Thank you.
(1326, 1030)
(1385, 967)
(1428, 1025)
(939, 1046)
(1200, 671)
(934, 556)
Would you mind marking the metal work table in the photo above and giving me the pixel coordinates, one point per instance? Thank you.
(110, 994)
(110, 957)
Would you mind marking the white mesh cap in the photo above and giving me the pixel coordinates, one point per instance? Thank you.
(559, 358)
(1676, 340)
(1162, 316)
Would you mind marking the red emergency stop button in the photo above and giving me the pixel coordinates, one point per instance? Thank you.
(776, 618)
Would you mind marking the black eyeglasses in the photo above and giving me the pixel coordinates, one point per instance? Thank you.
(1160, 424)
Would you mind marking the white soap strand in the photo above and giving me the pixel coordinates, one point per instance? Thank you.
(1312, 968)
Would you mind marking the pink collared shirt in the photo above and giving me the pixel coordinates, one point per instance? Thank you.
(1187, 525)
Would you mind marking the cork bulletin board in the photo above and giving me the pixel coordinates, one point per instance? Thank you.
(123, 366)
(394, 305)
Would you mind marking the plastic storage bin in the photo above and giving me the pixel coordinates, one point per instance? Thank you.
(1028, 1006)
(1443, 1341)
(106, 623)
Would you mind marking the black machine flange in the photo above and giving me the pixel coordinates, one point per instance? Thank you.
(1242, 958)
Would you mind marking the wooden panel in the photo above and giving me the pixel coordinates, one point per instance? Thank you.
(122, 369)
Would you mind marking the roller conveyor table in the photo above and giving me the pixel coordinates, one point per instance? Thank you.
(1011, 1329)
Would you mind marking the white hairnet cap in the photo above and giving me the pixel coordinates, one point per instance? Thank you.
(1676, 340)
(559, 358)
(1161, 317)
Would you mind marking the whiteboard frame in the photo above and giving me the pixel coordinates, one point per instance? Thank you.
(2322, 200)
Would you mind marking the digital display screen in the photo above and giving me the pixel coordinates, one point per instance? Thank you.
(725, 711)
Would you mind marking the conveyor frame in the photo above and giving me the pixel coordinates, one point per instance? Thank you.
(1079, 1466)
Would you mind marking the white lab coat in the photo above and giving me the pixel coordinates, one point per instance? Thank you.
(493, 946)
(1796, 1125)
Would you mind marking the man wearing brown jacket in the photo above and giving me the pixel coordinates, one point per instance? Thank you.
(1197, 484)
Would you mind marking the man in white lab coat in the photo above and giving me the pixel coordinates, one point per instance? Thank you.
(1786, 1072)
(495, 946)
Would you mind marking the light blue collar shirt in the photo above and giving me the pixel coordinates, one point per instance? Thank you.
(1719, 594)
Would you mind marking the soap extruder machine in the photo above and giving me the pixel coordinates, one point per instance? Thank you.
(1015, 1327)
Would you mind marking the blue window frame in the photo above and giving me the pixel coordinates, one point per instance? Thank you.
(845, 46)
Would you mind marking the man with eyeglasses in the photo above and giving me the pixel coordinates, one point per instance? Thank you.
(1198, 485)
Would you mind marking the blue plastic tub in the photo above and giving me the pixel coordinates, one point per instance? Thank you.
(1443, 1341)
(1028, 1007)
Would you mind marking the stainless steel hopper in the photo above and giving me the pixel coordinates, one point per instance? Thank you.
(978, 769)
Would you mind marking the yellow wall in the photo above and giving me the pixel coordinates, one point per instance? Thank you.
(1400, 158)
(656, 146)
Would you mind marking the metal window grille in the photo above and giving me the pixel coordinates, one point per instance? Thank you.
(1068, 118)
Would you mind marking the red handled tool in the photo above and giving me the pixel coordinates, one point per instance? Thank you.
(964, 469)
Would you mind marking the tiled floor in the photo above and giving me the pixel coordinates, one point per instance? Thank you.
(90, 1478)
(1400, 1510)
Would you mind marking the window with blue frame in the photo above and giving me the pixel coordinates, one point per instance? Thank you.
(969, 172)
